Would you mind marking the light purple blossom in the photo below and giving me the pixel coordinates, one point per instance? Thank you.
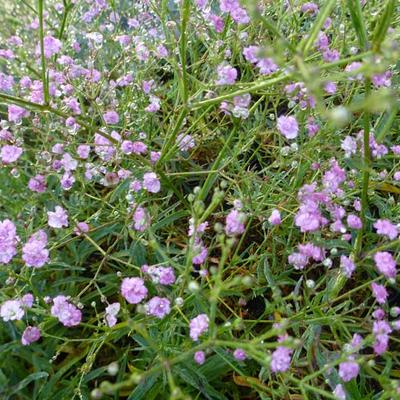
(281, 358)
(379, 292)
(37, 184)
(31, 334)
(354, 222)
(385, 228)
(330, 87)
(158, 307)
(275, 218)
(68, 162)
(10, 153)
(339, 392)
(58, 218)
(8, 241)
(348, 370)
(185, 142)
(385, 264)
(27, 300)
(16, 113)
(226, 75)
(310, 8)
(141, 219)
(198, 326)
(381, 330)
(34, 252)
(68, 314)
(133, 290)
(239, 354)
(234, 224)
(52, 46)
(298, 260)
(151, 182)
(111, 314)
(161, 275)
(80, 228)
(11, 310)
(199, 357)
(288, 127)
(347, 266)
(349, 145)
(111, 118)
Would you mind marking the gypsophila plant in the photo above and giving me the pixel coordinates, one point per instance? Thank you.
(199, 199)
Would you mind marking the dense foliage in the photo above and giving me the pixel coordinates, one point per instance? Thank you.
(199, 199)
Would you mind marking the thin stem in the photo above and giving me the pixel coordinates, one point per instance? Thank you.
(183, 49)
(43, 59)
(249, 89)
(67, 7)
(366, 172)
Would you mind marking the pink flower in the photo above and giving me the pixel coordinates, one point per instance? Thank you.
(8, 241)
(198, 326)
(58, 218)
(161, 275)
(310, 8)
(185, 142)
(275, 218)
(111, 314)
(80, 228)
(199, 357)
(111, 118)
(68, 314)
(234, 224)
(11, 310)
(31, 334)
(349, 145)
(385, 228)
(151, 183)
(239, 354)
(288, 127)
(281, 358)
(354, 222)
(27, 300)
(68, 162)
(10, 153)
(379, 292)
(226, 75)
(348, 370)
(218, 23)
(34, 252)
(133, 290)
(83, 151)
(339, 392)
(141, 219)
(347, 266)
(37, 184)
(298, 260)
(385, 264)
(51, 46)
(16, 113)
(158, 307)
(381, 331)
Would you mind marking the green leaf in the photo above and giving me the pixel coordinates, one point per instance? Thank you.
(142, 390)
(382, 25)
(358, 22)
(25, 382)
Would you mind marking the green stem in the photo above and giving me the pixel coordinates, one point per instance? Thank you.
(67, 7)
(43, 59)
(249, 89)
(183, 49)
(366, 173)
(216, 290)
